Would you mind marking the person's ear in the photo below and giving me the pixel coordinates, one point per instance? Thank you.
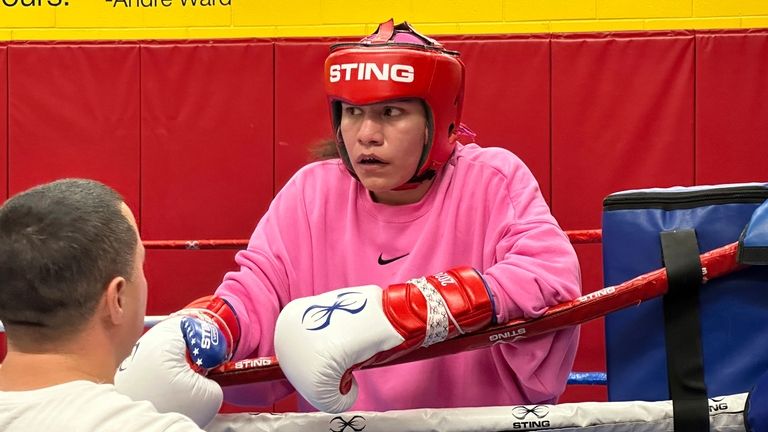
(115, 297)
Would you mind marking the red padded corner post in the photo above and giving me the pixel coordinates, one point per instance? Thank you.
(206, 138)
(731, 113)
(622, 118)
(507, 98)
(74, 112)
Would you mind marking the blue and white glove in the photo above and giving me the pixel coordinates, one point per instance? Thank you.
(168, 364)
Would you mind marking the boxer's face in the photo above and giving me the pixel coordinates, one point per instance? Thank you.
(384, 142)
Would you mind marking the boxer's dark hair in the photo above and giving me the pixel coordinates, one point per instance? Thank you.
(324, 150)
(61, 243)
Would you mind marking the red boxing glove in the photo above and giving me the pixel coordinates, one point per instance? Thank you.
(434, 308)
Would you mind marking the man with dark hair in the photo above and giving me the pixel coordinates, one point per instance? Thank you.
(72, 300)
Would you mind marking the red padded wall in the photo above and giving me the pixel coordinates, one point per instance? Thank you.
(3, 144)
(302, 119)
(175, 278)
(3, 123)
(206, 138)
(731, 109)
(74, 112)
(206, 157)
(507, 97)
(622, 118)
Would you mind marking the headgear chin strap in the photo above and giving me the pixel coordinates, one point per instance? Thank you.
(397, 62)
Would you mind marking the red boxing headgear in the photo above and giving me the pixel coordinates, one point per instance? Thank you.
(397, 62)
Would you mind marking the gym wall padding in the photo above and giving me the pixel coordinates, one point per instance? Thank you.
(74, 112)
(206, 139)
(622, 118)
(302, 118)
(731, 108)
(3, 142)
(507, 98)
(206, 158)
(199, 135)
(176, 277)
(3, 122)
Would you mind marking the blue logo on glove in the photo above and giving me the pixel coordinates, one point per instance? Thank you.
(206, 345)
(321, 315)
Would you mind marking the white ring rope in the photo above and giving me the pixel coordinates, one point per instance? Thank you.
(726, 414)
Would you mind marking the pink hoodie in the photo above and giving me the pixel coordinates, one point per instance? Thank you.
(323, 232)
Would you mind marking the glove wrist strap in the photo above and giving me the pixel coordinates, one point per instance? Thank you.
(218, 311)
(432, 309)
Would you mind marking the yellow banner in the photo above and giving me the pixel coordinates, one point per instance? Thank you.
(162, 19)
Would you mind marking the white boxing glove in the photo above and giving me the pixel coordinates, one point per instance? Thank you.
(320, 340)
(168, 363)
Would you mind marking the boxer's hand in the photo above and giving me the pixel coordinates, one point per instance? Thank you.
(167, 364)
(320, 340)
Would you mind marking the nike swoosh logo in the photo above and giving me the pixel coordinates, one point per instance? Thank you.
(383, 261)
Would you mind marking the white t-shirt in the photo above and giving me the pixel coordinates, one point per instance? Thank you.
(83, 406)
